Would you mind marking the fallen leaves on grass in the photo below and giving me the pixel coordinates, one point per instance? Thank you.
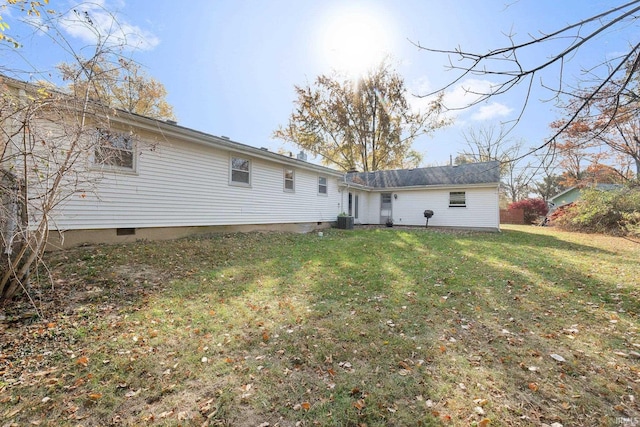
(347, 366)
(304, 405)
(246, 392)
(95, 396)
(359, 404)
(132, 361)
(404, 365)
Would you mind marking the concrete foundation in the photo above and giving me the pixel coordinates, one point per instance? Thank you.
(73, 238)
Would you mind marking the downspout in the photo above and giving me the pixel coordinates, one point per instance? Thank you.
(344, 180)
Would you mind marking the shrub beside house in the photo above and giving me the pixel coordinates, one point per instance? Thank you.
(615, 211)
(533, 210)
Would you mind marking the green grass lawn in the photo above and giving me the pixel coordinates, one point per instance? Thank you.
(371, 327)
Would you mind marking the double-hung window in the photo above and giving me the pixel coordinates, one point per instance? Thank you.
(322, 185)
(457, 199)
(114, 150)
(289, 180)
(240, 171)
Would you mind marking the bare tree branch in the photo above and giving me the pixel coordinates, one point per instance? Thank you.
(505, 64)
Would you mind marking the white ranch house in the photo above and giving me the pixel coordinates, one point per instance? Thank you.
(166, 181)
(464, 196)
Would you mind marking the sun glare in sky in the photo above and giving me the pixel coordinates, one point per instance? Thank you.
(354, 40)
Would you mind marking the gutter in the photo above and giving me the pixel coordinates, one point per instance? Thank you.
(170, 129)
(418, 187)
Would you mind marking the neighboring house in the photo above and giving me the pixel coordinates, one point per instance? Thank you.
(150, 179)
(572, 194)
(463, 196)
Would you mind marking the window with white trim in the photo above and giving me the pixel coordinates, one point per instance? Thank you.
(457, 199)
(114, 150)
(240, 171)
(322, 185)
(289, 180)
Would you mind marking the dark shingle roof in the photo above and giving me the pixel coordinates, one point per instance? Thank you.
(470, 173)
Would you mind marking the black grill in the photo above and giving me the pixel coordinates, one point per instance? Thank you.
(428, 214)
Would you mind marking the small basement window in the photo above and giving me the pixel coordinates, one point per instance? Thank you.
(457, 199)
(125, 231)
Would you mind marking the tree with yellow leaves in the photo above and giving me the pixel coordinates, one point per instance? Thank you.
(366, 124)
(120, 84)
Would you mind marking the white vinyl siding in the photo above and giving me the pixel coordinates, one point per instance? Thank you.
(482, 209)
(186, 184)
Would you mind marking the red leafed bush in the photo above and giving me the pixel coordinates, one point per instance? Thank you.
(533, 209)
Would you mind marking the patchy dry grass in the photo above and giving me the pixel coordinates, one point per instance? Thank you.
(368, 327)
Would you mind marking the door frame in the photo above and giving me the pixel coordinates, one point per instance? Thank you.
(386, 208)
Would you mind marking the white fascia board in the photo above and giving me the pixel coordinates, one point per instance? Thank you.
(197, 137)
(430, 187)
(361, 187)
